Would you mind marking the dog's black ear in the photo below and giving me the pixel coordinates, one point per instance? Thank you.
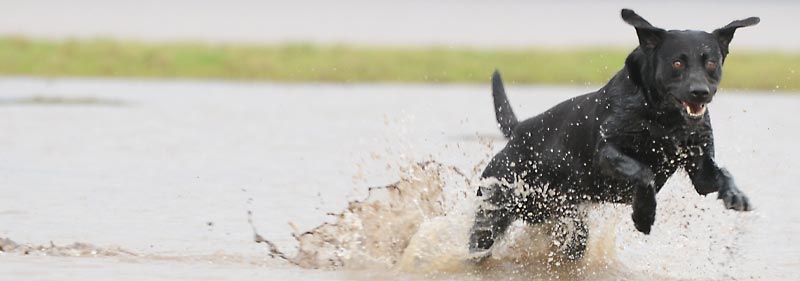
(725, 35)
(649, 35)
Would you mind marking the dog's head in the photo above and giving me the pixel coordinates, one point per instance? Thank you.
(679, 71)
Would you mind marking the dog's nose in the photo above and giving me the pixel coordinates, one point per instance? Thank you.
(699, 92)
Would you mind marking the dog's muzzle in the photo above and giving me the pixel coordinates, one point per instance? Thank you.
(695, 110)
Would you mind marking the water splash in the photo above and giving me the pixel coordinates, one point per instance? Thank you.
(420, 225)
(375, 231)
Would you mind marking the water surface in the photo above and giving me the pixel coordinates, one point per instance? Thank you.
(158, 176)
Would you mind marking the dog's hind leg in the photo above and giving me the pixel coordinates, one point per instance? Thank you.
(492, 220)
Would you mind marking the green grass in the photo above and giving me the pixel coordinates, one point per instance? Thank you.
(304, 62)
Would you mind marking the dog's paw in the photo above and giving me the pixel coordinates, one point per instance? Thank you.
(644, 208)
(735, 200)
(643, 220)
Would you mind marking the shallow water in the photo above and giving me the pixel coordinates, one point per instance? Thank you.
(162, 174)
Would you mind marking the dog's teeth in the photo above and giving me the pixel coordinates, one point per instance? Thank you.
(695, 114)
(691, 113)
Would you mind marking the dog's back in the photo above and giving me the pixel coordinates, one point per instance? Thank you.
(557, 143)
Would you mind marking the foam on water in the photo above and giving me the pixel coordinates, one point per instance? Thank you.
(89, 250)
(76, 249)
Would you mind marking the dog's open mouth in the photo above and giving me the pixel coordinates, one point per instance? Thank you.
(695, 110)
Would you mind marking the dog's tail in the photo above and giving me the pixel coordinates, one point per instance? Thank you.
(502, 109)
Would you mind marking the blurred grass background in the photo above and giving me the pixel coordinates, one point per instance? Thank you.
(341, 63)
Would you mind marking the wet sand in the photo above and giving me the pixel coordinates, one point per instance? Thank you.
(165, 171)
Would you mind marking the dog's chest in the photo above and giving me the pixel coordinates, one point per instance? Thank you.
(665, 147)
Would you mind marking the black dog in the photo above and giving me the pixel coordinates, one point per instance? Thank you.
(619, 144)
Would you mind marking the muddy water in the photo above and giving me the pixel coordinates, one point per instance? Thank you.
(155, 181)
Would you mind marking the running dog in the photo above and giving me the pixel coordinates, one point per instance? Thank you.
(619, 144)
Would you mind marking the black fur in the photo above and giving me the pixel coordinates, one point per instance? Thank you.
(506, 119)
(618, 144)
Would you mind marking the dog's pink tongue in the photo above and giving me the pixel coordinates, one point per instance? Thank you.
(695, 108)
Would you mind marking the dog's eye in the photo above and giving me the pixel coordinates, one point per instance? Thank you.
(711, 65)
(677, 64)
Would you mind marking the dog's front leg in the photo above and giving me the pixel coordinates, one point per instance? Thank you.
(707, 177)
(616, 164)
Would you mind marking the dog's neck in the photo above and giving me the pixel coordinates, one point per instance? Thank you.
(630, 86)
